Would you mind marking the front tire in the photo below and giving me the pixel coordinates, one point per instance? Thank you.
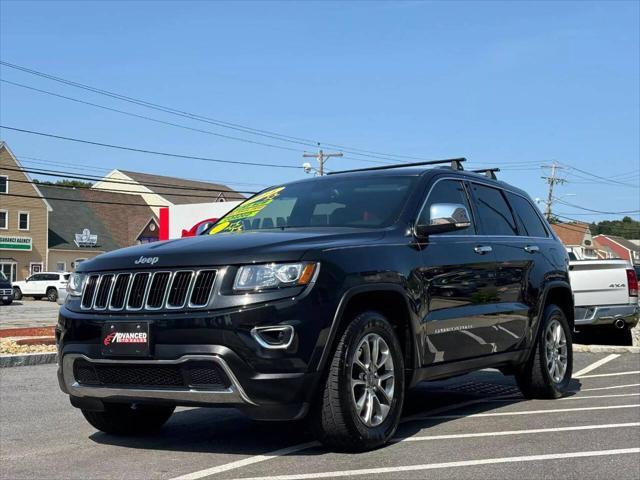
(361, 401)
(547, 372)
(125, 419)
(17, 293)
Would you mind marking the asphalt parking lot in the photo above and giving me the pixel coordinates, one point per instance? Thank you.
(473, 426)
(29, 313)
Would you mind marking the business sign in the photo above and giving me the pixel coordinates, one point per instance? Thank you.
(9, 242)
(86, 239)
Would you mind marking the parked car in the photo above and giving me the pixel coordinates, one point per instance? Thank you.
(606, 297)
(39, 285)
(6, 293)
(323, 299)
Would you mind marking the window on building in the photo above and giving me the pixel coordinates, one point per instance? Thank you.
(4, 184)
(23, 221)
(494, 212)
(61, 266)
(4, 219)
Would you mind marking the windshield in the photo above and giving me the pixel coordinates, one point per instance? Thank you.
(365, 202)
(3, 276)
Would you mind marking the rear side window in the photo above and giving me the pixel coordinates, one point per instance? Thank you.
(447, 191)
(493, 211)
(527, 216)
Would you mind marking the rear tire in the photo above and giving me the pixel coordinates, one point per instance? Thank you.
(17, 293)
(361, 401)
(124, 419)
(52, 294)
(547, 372)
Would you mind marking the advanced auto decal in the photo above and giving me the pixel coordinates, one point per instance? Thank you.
(233, 221)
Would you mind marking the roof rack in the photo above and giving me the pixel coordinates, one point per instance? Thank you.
(455, 164)
(488, 172)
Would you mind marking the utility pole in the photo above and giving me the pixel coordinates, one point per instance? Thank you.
(322, 157)
(552, 180)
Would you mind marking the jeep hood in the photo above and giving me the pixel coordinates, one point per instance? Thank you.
(230, 248)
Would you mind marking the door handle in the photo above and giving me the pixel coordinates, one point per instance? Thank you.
(482, 249)
(532, 248)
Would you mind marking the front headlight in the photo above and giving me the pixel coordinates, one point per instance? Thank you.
(76, 283)
(274, 275)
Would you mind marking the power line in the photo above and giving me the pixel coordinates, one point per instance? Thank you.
(60, 174)
(164, 122)
(220, 123)
(608, 180)
(150, 152)
(214, 193)
(77, 166)
(596, 211)
(82, 201)
(151, 119)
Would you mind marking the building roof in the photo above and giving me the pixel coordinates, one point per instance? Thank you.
(3, 145)
(571, 233)
(115, 225)
(188, 195)
(623, 242)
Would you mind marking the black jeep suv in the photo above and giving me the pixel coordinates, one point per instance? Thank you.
(325, 298)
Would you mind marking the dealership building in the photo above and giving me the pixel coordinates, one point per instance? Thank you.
(53, 228)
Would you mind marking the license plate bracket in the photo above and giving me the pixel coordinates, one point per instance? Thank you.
(125, 339)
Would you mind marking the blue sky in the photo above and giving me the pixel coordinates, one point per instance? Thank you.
(513, 84)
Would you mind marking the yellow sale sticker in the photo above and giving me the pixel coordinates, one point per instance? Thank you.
(233, 221)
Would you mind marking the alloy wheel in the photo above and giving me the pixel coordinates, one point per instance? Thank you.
(556, 351)
(372, 380)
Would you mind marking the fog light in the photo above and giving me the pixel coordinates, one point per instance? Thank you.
(277, 337)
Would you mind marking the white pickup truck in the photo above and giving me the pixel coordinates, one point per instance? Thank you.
(605, 293)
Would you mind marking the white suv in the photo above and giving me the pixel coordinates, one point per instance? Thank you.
(38, 285)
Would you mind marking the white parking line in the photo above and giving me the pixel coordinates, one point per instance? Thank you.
(517, 432)
(529, 412)
(610, 388)
(463, 463)
(245, 462)
(611, 374)
(587, 397)
(595, 365)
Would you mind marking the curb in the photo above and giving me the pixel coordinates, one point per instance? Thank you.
(25, 359)
(604, 349)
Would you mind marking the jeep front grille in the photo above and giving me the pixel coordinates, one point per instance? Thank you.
(148, 290)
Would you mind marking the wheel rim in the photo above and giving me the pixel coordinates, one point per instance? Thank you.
(556, 351)
(52, 295)
(372, 380)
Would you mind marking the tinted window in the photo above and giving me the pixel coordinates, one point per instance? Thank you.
(52, 276)
(527, 216)
(365, 202)
(494, 212)
(37, 277)
(447, 191)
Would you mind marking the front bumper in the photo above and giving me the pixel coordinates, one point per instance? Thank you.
(607, 314)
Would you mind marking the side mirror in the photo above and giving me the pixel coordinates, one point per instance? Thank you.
(444, 217)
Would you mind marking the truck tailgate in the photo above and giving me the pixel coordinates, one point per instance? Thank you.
(602, 282)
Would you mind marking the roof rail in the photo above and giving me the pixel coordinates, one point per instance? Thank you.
(456, 164)
(488, 172)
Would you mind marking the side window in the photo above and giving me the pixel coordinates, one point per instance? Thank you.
(527, 215)
(447, 191)
(37, 277)
(494, 212)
